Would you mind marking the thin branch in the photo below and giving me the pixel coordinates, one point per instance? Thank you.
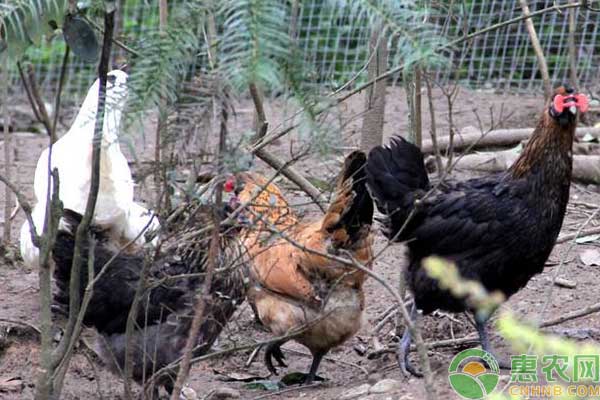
(270, 137)
(580, 233)
(418, 107)
(274, 162)
(22, 200)
(25, 83)
(352, 263)
(261, 120)
(539, 53)
(557, 271)
(572, 48)
(41, 107)
(200, 314)
(62, 354)
(7, 151)
(574, 315)
(432, 124)
(115, 41)
(61, 81)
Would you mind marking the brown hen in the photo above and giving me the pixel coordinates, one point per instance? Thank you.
(301, 294)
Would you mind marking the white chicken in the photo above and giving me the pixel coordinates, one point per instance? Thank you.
(72, 156)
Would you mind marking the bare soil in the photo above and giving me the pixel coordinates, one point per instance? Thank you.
(347, 366)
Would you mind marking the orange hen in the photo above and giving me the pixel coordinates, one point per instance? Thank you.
(298, 293)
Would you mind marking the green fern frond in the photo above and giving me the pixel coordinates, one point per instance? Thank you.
(255, 43)
(413, 38)
(165, 59)
(25, 21)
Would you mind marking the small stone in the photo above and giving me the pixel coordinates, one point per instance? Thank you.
(187, 393)
(223, 393)
(355, 392)
(385, 386)
(360, 349)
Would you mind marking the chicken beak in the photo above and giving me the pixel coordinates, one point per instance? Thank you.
(573, 110)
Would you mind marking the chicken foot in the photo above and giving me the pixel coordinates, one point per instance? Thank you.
(481, 325)
(312, 374)
(273, 350)
(403, 349)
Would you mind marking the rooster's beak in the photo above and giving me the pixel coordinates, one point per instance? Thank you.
(573, 110)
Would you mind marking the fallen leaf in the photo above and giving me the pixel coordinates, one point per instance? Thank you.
(590, 257)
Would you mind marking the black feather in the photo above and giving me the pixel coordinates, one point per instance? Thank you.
(166, 308)
(499, 230)
(360, 212)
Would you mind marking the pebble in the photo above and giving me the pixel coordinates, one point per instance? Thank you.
(385, 386)
(223, 393)
(187, 393)
(356, 392)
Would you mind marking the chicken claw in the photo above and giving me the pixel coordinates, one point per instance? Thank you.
(273, 350)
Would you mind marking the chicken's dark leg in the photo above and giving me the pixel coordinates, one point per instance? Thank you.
(404, 348)
(273, 350)
(317, 357)
(480, 323)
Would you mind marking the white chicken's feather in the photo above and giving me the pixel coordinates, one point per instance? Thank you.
(72, 156)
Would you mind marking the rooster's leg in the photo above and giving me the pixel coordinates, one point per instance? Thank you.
(481, 323)
(404, 348)
(317, 357)
(273, 350)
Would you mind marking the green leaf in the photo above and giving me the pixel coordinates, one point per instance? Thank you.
(265, 385)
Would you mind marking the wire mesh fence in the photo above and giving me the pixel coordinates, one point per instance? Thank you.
(336, 47)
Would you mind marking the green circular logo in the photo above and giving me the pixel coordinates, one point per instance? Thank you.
(473, 374)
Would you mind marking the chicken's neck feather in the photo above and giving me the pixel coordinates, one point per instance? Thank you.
(549, 152)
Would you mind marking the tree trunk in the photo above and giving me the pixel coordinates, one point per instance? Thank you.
(372, 129)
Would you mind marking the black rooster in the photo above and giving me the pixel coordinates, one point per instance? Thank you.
(498, 229)
(175, 279)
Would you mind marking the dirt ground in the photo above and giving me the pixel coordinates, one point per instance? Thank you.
(350, 365)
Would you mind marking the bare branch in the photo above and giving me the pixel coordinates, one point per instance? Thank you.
(274, 162)
(535, 42)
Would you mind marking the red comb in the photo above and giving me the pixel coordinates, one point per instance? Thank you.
(561, 102)
(229, 185)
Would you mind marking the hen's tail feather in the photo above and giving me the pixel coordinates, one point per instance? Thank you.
(352, 207)
(395, 174)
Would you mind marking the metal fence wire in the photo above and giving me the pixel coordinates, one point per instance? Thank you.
(337, 48)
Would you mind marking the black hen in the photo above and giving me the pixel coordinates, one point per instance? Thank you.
(498, 229)
(166, 308)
